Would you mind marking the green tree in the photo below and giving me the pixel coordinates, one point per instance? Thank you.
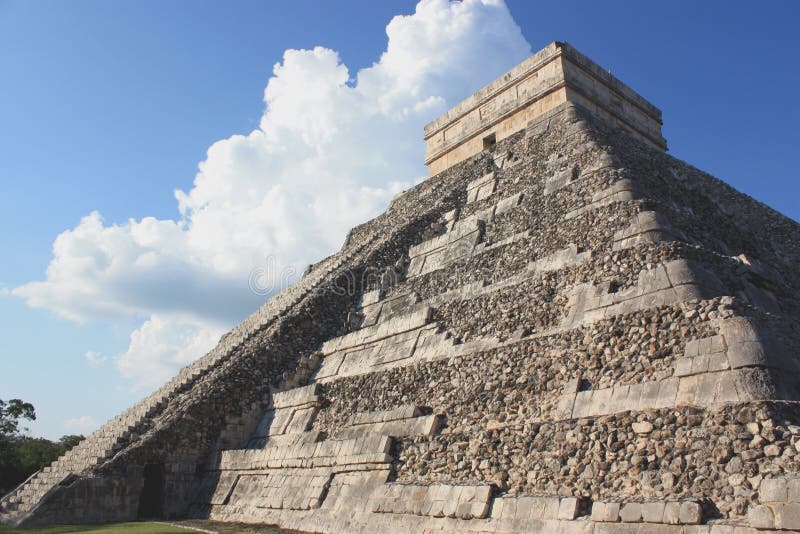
(21, 456)
(10, 414)
(35, 453)
(69, 441)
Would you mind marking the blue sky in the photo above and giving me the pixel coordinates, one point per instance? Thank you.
(109, 107)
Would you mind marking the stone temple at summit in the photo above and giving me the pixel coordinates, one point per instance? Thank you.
(563, 329)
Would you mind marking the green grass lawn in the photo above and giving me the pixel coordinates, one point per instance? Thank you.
(113, 528)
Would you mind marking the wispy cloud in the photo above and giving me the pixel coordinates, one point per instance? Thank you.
(95, 359)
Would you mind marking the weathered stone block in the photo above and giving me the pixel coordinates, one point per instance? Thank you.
(684, 367)
(565, 407)
(793, 489)
(746, 354)
(481, 188)
(568, 508)
(787, 516)
(605, 511)
(538, 508)
(631, 512)
(551, 507)
(672, 513)
(761, 516)
(691, 513)
(773, 490)
(653, 512)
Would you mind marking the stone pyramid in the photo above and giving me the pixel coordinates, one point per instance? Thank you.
(563, 329)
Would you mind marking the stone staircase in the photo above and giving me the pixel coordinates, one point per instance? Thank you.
(80, 459)
(124, 429)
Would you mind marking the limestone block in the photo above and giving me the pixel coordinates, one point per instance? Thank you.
(397, 305)
(370, 297)
(565, 407)
(558, 260)
(773, 490)
(687, 390)
(718, 362)
(329, 366)
(793, 489)
(373, 334)
(583, 404)
(557, 181)
(631, 512)
(450, 218)
(462, 229)
(690, 513)
(601, 401)
(649, 398)
(568, 508)
(418, 426)
(736, 329)
(415, 266)
(551, 507)
(538, 507)
(692, 348)
(653, 512)
(747, 354)
(787, 516)
(508, 204)
(528, 508)
(684, 367)
(301, 420)
(504, 508)
(605, 511)
(761, 517)
(572, 386)
(668, 392)
(481, 188)
(403, 412)
(634, 395)
(707, 389)
(700, 364)
(619, 399)
(646, 227)
(726, 390)
(672, 513)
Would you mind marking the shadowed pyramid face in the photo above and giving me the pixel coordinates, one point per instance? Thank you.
(567, 325)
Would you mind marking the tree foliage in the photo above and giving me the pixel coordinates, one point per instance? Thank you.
(21, 456)
(10, 414)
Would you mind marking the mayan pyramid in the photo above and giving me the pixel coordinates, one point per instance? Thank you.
(563, 329)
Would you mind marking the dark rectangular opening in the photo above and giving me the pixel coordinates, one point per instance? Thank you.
(489, 141)
(151, 498)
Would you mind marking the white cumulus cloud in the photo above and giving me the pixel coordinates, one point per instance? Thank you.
(331, 150)
(163, 344)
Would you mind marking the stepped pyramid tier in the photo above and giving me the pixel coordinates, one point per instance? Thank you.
(564, 330)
